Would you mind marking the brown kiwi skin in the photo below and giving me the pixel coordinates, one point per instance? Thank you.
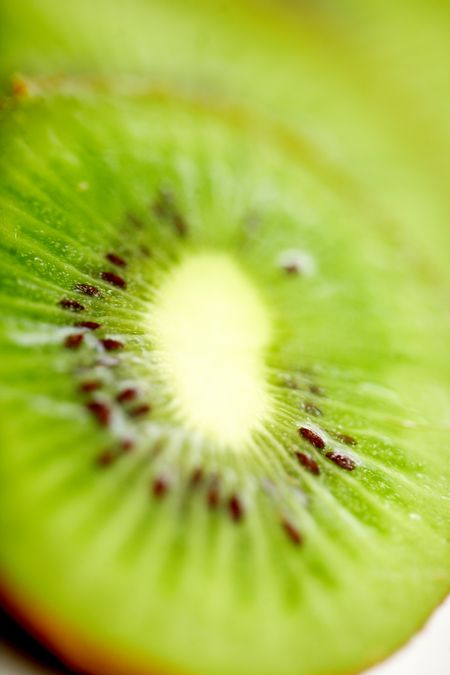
(80, 655)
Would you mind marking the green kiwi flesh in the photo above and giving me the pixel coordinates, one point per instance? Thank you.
(280, 506)
(124, 519)
(360, 84)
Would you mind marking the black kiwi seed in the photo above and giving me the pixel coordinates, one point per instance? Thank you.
(196, 477)
(127, 445)
(316, 390)
(107, 457)
(235, 508)
(101, 411)
(213, 496)
(180, 224)
(160, 487)
(90, 325)
(312, 437)
(90, 385)
(346, 438)
(308, 463)
(73, 341)
(140, 410)
(116, 260)
(71, 305)
(113, 279)
(291, 269)
(292, 532)
(112, 345)
(342, 461)
(88, 289)
(126, 395)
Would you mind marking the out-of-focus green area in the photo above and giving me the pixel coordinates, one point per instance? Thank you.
(365, 84)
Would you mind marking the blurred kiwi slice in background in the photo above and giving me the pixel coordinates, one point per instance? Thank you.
(224, 292)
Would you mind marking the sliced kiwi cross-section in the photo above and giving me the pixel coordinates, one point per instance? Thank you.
(224, 329)
(224, 398)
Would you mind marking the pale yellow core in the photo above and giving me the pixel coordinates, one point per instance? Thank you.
(211, 331)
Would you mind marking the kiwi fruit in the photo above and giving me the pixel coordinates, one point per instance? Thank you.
(224, 327)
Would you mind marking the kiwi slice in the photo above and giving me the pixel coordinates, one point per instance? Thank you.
(224, 399)
(224, 379)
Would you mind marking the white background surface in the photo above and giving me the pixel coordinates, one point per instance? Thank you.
(428, 653)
